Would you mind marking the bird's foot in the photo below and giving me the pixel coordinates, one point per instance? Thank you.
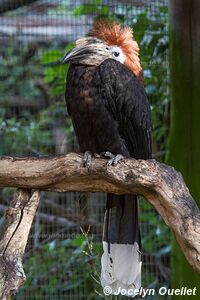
(87, 159)
(114, 159)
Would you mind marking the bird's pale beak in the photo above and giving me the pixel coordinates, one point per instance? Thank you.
(88, 51)
(77, 54)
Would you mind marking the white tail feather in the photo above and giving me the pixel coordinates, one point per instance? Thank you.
(121, 268)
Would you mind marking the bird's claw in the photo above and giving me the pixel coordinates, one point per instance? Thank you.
(106, 154)
(114, 159)
(87, 159)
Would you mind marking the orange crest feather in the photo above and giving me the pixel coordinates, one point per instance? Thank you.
(122, 36)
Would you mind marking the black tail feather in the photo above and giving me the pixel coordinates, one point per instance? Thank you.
(121, 224)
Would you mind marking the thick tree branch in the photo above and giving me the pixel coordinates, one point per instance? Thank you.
(160, 184)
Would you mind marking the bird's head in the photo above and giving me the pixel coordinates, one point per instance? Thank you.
(107, 40)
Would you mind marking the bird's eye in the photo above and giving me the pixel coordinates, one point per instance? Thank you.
(116, 54)
(107, 48)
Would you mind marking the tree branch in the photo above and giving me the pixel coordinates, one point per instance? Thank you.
(14, 233)
(160, 184)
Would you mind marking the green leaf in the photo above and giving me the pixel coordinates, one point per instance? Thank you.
(85, 9)
(78, 241)
(50, 56)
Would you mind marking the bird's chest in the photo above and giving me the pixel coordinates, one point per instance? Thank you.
(87, 101)
(84, 104)
(84, 99)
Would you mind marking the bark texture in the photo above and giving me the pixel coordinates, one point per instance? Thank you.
(14, 232)
(160, 184)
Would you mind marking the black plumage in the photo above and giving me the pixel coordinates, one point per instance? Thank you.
(110, 112)
(109, 109)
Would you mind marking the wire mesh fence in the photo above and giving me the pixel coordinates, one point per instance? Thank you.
(62, 261)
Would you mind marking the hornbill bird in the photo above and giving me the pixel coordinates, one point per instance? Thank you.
(110, 112)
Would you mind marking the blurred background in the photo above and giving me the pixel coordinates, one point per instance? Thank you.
(62, 259)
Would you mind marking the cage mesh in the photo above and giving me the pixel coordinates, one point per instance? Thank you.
(59, 261)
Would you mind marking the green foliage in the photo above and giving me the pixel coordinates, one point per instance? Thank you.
(34, 136)
(17, 75)
(158, 233)
(25, 131)
(70, 266)
(55, 72)
(95, 7)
